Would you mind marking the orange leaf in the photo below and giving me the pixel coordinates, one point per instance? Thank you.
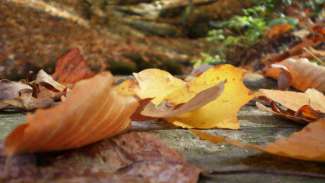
(278, 30)
(304, 74)
(91, 112)
(71, 68)
(307, 144)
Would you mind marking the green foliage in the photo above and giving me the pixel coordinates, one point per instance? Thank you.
(246, 29)
(208, 59)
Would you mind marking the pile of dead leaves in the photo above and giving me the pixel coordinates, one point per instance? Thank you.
(78, 108)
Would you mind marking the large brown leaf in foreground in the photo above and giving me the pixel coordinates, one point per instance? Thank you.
(135, 157)
(307, 144)
(299, 73)
(92, 111)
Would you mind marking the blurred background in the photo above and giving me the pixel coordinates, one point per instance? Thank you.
(126, 36)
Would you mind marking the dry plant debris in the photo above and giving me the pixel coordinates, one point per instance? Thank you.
(83, 118)
(299, 73)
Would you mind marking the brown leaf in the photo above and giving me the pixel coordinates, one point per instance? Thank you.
(10, 89)
(297, 106)
(199, 100)
(46, 80)
(41, 93)
(72, 67)
(295, 100)
(131, 157)
(304, 74)
(86, 116)
(307, 144)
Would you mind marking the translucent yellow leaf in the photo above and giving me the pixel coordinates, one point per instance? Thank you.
(127, 87)
(220, 113)
(156, 84)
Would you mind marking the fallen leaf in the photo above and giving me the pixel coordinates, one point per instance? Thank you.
(297, 106)
(46, 80)
(196, 102)
(72, 67)
(307, 144)
(10, 90)
(41, 93)
(278, 30)
(295, 100)
(86, 116)
(130, 157)
(156, 84)
(221, 112)
(304, 74)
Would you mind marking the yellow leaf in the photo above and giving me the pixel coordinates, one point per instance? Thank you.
(156, 84)
(220, 113)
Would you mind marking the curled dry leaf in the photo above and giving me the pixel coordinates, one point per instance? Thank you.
(72, 67)
(46, 80)
(307, 144)
(301, 107)
(10, 89)
(221, 112)
(86, 116)
(10, 93)
(41, 93)
(303, 74)
(201, 99)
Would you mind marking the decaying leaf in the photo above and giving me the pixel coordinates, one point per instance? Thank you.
(304, 74)
(10, 89)
(41, 93)
(307, 144)
(135, 157)
(71, 68)
(91, 112)
(297, 106)
(221, 112)
(46, 80)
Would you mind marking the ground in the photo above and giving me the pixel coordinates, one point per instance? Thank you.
(232, 164)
